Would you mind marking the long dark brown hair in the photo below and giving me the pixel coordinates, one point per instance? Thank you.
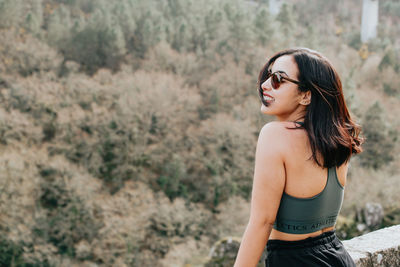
(330, 129)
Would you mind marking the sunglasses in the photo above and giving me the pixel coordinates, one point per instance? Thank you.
(277, 79)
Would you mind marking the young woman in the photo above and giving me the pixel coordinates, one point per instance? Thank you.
(301, 164)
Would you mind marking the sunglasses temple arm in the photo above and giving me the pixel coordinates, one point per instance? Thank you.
(290, 80)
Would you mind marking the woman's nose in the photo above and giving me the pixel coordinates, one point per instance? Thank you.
(266, 85)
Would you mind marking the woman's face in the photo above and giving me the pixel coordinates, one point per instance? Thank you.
(284, 102)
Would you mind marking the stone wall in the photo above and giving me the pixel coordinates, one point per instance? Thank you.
(378, 248)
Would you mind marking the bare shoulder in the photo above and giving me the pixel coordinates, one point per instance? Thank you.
(275, 126)
(282, 138)
(274, 136)
(278, 129)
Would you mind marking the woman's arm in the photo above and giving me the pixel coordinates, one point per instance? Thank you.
(268, 186)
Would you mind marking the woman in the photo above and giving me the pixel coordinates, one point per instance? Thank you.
(301, 164)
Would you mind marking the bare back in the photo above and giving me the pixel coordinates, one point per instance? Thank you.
(304, 178)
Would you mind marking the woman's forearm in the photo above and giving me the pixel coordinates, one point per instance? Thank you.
(253, 243)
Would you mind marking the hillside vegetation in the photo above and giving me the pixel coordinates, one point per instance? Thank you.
(128, 128)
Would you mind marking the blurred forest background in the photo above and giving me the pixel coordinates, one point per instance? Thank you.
(128, 128)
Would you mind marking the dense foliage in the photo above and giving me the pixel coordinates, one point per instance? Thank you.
(128, 128)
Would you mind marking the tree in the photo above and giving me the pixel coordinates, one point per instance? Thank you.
(59, 26)
(10, 13)
(34, 19)
(378, 148)
(285, 17)
(262, 26)
(99, 44)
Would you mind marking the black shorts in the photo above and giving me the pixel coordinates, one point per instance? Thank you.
(323, 250)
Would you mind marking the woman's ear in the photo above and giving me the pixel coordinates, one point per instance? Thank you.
(305, 98)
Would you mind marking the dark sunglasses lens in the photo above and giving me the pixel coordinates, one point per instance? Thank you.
(275, 80)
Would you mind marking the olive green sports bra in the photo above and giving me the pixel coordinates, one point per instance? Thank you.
(307, 215)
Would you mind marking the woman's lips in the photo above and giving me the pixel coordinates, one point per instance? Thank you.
(264, 93)
(267, 97)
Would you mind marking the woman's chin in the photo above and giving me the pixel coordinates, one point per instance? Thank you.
(264, 109)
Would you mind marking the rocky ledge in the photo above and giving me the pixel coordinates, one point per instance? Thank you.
(378, 248)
